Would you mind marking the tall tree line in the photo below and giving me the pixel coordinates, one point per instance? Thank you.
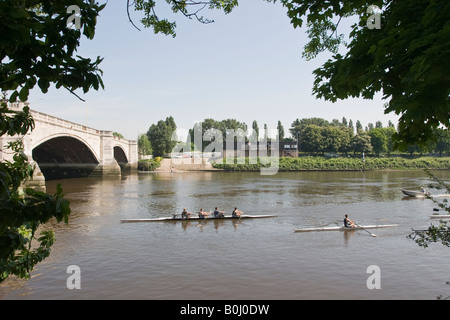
(314, 135)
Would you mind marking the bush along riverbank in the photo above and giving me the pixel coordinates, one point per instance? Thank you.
(338, 164)
(149, 164)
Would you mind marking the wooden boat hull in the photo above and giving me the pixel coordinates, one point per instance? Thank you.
(339, 228)
(171, 219)
(417, 194)
(440, 216)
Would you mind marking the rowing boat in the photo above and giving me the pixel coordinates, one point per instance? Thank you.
(417, 194)
(341, 228)
(177, 218)
(440, 216)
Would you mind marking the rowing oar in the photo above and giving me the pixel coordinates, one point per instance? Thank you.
(373, 235)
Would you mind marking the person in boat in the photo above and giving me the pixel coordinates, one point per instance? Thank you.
(202, 214)
(423, 190)
(236, 213)
(218, 214)
(349, 223)
(185, 214)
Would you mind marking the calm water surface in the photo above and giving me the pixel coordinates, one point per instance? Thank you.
(250, 259)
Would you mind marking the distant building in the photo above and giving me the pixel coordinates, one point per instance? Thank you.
(240, 149)
(288, 149)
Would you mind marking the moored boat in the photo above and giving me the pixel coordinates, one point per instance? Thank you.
(177, 218)
(342, 228)
(417, 194)
(440, 216)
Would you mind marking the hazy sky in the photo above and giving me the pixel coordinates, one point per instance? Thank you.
(246, 65)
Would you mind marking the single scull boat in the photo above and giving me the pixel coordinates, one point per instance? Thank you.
(340, 228)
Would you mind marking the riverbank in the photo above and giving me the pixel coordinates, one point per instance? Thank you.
(176, 165)
(341, 164)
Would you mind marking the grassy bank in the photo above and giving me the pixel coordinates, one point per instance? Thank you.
(341, 164)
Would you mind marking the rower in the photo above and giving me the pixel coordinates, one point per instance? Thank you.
(218, 214)
(202, 214)
(236, 213)
(185, 214)
(349, 223)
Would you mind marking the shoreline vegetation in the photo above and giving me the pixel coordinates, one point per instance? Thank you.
(319, 163)
(340, 164)
(149, 164)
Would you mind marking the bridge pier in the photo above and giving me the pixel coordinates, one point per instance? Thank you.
(37, 182)
(103, 170)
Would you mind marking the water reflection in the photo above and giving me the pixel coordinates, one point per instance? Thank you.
(205, 224)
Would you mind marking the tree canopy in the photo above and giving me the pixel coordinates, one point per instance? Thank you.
(160, 136)
(189, 8)
(39, 44)
(406, 59)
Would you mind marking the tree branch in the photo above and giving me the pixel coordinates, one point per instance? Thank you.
(128, 14)
(75, 95)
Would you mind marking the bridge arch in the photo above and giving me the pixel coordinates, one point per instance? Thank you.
(85, 143)
(64, 156)
(120, 155)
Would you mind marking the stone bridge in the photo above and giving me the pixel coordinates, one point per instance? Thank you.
(64, 149)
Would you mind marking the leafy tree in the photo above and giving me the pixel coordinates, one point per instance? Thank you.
(189, 8)
(280, 130)
(255, 130)
(144, 145)
(350, 125)
(203, 133)
(311, 139)
(378, 140)
(389, 132)
(361, 142)
(266, 133)
(299, 124)
(160, 136)
(346, 139)
(40, 47)
(405, 60)
(209, 129)
(331, 139)
(23, 210)
(36, 47)
(443, 141)
(358, 126)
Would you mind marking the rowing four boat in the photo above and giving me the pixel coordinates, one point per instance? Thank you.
(341, 228)
(177, 218)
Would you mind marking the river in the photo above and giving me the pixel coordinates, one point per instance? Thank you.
(247, 259)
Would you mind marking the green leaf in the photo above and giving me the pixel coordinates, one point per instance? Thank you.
(23, 95)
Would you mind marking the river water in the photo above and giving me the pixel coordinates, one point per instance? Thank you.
(249, 259)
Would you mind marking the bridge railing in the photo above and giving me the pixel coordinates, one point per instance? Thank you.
(43, 117)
